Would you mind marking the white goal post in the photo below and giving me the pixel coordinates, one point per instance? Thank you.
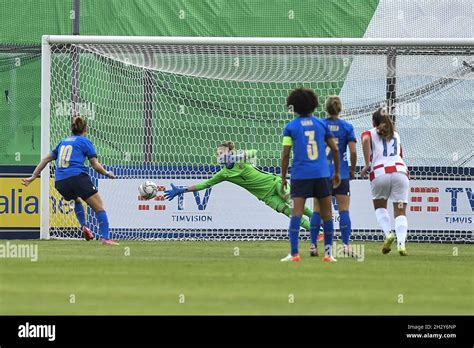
(159, 106)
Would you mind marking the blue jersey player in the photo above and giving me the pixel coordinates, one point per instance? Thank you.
(310, 172)
(345, 138)
(72, 178)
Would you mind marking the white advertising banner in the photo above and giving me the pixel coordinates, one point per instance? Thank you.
(433, 205)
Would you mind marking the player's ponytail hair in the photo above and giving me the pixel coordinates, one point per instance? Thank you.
(78, 126)
(229, 144)
(333, 105)
(383, 123)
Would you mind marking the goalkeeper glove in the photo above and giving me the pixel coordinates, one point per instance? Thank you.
(175, 191)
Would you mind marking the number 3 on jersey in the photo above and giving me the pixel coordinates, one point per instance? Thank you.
(65, 153)
(312, 146)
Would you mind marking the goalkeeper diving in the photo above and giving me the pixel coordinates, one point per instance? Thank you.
(238, 170)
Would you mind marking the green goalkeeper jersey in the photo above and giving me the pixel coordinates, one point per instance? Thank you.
(244, 174)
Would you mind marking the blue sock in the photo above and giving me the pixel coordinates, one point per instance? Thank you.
(79, 210)
(103, 224)
(345, 226)
(328, 228)
(315, 225)
(294, 233)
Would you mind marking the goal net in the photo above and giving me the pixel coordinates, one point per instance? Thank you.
(157, 109)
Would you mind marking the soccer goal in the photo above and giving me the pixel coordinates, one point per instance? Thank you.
(158, 107)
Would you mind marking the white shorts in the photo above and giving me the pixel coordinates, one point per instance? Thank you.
(392, 186)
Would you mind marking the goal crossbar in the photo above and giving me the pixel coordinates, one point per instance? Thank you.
(254, 41)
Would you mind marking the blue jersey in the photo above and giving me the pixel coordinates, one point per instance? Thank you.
(344, 133)
(308, 137)
(70, 155)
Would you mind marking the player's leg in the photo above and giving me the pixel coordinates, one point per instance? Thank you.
(95, 202)
(88, 192)
(322, 191)
(314, 220)
(66, 189)
(342, 193)
(383, 218)
(282, 203)
(328, 227)
(298, 194)
(294, 229)
(381, 187)
(295, 222)
(345, 224)
(401, 226)
(81, 217)
(79, 211)
(315, 226)
(399, 195)
(345, 220)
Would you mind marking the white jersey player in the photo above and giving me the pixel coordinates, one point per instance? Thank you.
(388, 177)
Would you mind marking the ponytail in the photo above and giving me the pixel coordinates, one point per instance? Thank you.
(78, 126)
(383, 123)
(333, 105)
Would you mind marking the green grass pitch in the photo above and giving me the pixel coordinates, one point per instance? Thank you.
(181, 278)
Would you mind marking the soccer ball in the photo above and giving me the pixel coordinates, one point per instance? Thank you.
(148, 190)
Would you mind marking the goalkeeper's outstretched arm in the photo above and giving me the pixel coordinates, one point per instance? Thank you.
(175, 191)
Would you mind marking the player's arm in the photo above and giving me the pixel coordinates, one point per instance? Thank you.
(331, 143)
(99, 169)
(367, 152)
(285, 160)
(175, 190)
(39, 168)
(351, 142)
(89, 151)
(353, 157)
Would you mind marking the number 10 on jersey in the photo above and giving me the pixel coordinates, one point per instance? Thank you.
(65, 153)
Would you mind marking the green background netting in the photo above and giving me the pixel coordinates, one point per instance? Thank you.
(24, 21)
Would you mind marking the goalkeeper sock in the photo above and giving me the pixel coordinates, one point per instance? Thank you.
(305, 224)
(80, 215)
(345, 226)
(103, 224)
(328, 228)
(294, 233)
(401, 227)
(287, 211)
(383, 219)
(315, 225)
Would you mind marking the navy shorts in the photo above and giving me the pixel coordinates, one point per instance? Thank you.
(76, 186)
(342, 189)
(306, 188)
